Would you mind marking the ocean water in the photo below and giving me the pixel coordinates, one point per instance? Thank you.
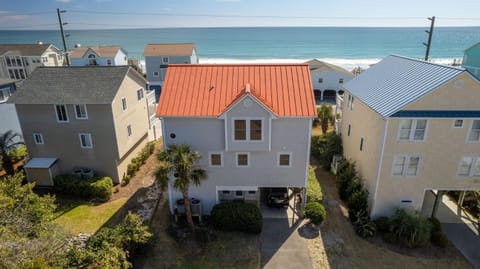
(345, 46)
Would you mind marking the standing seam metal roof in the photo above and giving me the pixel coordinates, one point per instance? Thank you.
(397, 81)
(209, 90)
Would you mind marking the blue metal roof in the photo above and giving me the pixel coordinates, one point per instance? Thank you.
(397, 81)
(437, 114)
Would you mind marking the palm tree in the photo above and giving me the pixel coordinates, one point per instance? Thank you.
(179, 161)
(325, 115)
(8, 142)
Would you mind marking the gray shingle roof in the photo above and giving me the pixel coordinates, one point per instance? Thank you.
(317, 66)
(397, 81)
(24, 49)
(70, 85)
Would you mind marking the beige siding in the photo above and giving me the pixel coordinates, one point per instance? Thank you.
(461, 93)
(439, 153)
(136, 115)
(369, 125)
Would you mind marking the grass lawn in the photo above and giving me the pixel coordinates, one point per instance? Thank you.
(84, 217)
(228, 250)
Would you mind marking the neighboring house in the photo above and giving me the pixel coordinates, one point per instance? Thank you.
(411, 127)
(18, 61)
(92, 117)
(159, 56)
(98, 55)
(327, 80)
(471, 60)
(250, 123)
(8, 114)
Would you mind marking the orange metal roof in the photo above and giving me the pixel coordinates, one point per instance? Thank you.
(180, 49)
(209, 90)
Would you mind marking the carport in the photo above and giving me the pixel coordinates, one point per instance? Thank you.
(294, 209)
(461, 228)
(41, 171)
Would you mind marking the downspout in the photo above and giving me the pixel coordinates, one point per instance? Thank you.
(380, 164)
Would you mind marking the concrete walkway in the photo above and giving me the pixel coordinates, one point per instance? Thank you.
(282, 245)
(461, 228)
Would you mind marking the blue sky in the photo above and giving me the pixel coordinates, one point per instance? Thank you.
(94, 14)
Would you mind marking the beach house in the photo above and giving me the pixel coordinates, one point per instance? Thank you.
(98, 55)
(327, 80)
(159, 56)
(81, 117)
(18, 61)
(471, 60)
(8, 114)
(250, 123)
(412, 127)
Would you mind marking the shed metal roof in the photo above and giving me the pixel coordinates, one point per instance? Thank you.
(40, 162)
(209, 90)
(397, 81)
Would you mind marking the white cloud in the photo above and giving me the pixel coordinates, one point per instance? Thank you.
(64, 1)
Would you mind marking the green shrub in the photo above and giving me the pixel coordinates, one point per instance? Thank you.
(357, 202)
(18, 154)
(93, 188)
(324, 147)
(364, 227)
(411, 230)
(235, 216)
(437, 236)
(315, 212)
(131, 169)
(382, 224)
(345, 176)
(102, 189)
(126, 179)
(314, 190)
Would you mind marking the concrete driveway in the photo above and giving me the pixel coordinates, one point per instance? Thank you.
(282, 245)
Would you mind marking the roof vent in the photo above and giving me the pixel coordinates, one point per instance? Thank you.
(212, 87)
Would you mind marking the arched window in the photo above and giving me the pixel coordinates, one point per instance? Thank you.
(92, 59)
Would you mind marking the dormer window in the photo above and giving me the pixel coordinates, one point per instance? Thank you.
(92, 59)
(248, 129)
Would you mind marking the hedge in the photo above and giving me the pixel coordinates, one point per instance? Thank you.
(324, 147)
(314, 190)
(94, 188)
(138, 161)
(237, 216)
(411, 230)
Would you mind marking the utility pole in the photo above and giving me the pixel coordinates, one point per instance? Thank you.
(429, 32)
(63, 34)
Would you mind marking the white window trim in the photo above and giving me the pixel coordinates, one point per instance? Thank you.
(248, 159)
(143, 94)
(468, 133)
(411, 135)
(91, 141)
(210, 159)
(247, 136)
(406, 164)
(470, 172)
(124, 108)
(41, 142)
(56, 113)
(167, 61)
(289, 160)
(76, 114)
(458, 127)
